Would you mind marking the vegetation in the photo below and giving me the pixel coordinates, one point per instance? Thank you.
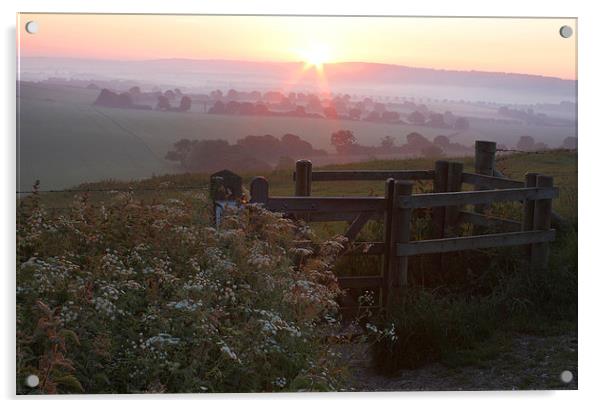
(131, 296)
(460, 317)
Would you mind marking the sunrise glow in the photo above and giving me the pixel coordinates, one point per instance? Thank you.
(316, 56)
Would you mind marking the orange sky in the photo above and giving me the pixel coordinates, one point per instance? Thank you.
(531, 46)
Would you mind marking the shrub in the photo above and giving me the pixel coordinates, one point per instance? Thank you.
(150, 297)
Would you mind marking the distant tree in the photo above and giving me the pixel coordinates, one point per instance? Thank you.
(170, 94)
(218, 107)
(461, 124)
(260, 109)
(373, 116)
(232, 94)
(432, 151)
(330, 112)
(417, 118)
(437, 120)
(416, 142)
(525, 143)
(285, 163)
(177, 92)
(441, 141)
(342, 140)
(387, 142)
(216, 95)
(183, 145)
(570, 143)
(135, 90)
(390, 116)
(355, 113)
(163, 103)
(379, 107)
(539, 146)
(92, 86)
(185, 104)
(174, 156)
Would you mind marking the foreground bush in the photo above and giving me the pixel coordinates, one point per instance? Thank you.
(130, 297)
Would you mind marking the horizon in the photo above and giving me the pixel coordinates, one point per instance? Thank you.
(299, 62)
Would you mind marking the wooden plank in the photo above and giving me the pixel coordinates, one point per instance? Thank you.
(490, 182)
(357, 225)
(489, 221)
(326, 204)
(476, 197)
(348, 175)
(346, 282)
(347, 216)
(479, 241)
(366, 248)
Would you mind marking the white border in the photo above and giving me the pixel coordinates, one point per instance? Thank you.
(590, 146)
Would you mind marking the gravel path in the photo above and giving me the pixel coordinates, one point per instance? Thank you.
(526, 363)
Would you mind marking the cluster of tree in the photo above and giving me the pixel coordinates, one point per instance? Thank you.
(445, 120)
(345, 143)
(133, 98)
(528, 144)
(527, 116)
(257, 108)
(122, 100)
(252, 153)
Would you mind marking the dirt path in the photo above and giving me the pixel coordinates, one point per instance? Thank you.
(526, 363)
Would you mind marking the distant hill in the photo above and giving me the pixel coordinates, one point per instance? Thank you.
(191, 72)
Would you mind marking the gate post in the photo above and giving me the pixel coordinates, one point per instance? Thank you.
(389, 209)
(542, 220)
(528, 209)
(440, 186)
(454, 183)
(259, 190)
(400, 234)
(484, 163)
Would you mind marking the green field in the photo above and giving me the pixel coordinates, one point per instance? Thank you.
(64, 140)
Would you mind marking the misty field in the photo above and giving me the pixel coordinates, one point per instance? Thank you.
(64, 140)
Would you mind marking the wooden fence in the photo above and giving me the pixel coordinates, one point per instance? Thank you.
(447, 201)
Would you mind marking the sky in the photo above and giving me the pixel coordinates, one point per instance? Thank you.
(517, 45)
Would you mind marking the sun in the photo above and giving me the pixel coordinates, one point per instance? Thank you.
(316, 56)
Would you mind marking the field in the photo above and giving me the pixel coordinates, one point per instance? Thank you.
(455, 345)
(64, 140)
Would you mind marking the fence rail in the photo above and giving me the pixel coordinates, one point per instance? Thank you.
(357, 175)
(447, 201)
(476, 197)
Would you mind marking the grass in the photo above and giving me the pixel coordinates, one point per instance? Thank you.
(463, 316)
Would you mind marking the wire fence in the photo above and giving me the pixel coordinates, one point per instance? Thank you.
(116, 190)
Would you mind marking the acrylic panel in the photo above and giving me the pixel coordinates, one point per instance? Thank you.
(231, 203)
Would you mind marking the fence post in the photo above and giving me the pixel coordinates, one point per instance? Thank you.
(259, 190)
(303, 178)
(389, 208)
(400, 234)
(484, 163)
(542, 220)
(454, 183)
(529, 208)
(303, 183)
(440, 186)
